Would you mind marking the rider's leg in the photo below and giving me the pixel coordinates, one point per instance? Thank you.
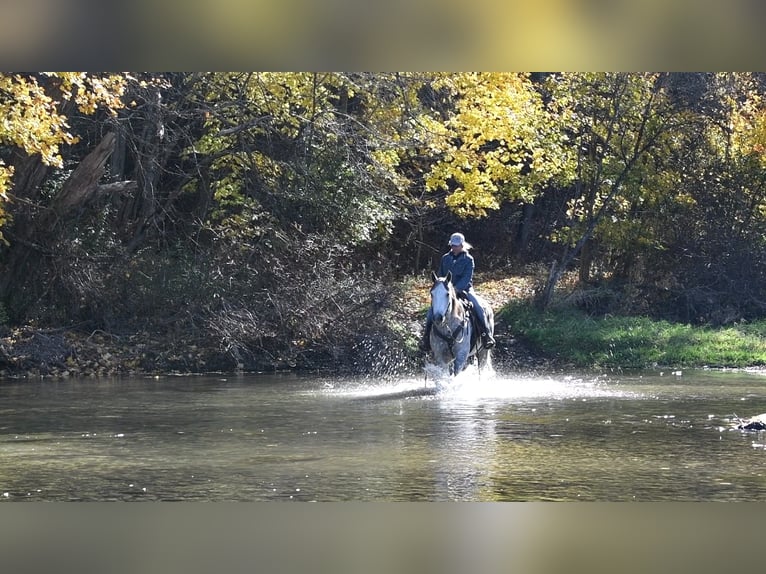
(486, 334)
(425, 342)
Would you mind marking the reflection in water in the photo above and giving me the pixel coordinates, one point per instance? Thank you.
(490, 437)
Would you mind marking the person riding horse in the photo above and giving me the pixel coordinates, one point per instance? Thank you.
(460, 262)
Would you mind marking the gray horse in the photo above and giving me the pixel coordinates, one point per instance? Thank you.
(454, 337)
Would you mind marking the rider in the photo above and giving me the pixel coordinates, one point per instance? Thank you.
(460, 262)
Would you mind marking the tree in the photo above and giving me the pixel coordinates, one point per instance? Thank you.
(38, 111)
(502, 141)
(592, 137)
(619, 120)
(715, 256)
(34, 109)
(319, 150)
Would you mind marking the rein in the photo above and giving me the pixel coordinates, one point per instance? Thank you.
(454, 330)
(456, 336)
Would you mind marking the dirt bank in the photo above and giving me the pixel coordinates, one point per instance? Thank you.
(30, 352)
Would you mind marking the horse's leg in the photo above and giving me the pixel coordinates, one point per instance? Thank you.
(461, 357)
(436, 348)
(441, 353)
(481, 358)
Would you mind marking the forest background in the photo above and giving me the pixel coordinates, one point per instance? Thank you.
(223, 221)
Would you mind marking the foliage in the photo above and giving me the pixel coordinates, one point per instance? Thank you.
(711, 237)
(316, 151)
(34, 119)
(230, 192)
(501, 142)
(626, 154)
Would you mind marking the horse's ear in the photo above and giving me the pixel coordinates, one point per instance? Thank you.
(449, 276)
(433, 276)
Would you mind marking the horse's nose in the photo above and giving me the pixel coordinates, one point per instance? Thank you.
(438, 317)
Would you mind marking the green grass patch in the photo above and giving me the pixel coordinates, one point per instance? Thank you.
(572, 337)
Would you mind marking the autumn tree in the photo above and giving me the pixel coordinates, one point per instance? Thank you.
(317, 149)
(681, 240)
(501, 142)
(713, 248)
(35, 125)
(38, 112)
(298, 173)
(618, 121)
(592, 136)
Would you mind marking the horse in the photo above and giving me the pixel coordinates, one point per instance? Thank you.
(454, 337)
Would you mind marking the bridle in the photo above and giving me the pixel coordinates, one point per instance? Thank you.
(450, 337)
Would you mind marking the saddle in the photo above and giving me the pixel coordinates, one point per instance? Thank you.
(467, 305)
(472, 317)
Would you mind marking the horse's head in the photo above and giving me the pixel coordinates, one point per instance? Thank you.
(442, 296)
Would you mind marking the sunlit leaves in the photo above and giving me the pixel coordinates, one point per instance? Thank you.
(31, 111)
(326, 148)
(91, 91)
(618, 123)
(32, 116)
(501, 142)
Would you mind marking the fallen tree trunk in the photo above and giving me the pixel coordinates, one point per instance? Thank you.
(82, 185)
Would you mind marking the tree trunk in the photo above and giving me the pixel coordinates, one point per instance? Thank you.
(82, 185)
(554, 275)
(29, 172)
(117, 161)
(586, 261)
(525, 229)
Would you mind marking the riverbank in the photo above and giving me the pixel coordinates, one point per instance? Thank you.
(570, 337)
(527, 340)
(387, 348)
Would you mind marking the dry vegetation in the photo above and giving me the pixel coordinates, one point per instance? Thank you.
(60, 353)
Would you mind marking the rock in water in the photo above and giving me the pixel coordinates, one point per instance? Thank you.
(757, 423)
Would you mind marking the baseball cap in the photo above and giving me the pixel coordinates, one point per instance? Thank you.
(459, 239)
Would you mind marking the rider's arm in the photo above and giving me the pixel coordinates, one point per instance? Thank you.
(462, 273)
(444, 266)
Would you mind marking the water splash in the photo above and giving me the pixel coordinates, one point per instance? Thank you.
(380, 360)
(472, 385)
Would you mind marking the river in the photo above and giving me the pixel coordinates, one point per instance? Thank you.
(495, 437)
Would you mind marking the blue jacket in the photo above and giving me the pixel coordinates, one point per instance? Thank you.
(461, 267)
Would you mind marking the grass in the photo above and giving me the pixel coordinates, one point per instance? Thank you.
(572, 337)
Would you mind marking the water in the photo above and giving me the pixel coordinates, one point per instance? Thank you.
(498, 437)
